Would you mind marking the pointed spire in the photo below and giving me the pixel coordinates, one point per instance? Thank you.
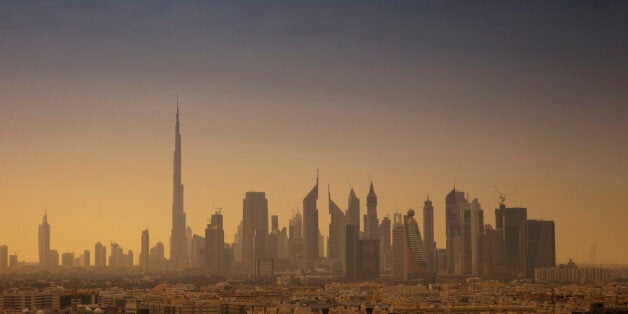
(428, 196)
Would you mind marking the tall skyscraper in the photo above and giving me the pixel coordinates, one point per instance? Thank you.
(352, 236)
(371, 215)
(254, 226)
(353, 210)
(539, 246)
(493, 252)
(100, 255)
(215, 245)
(428, 235)
(44, 241)
(310, 224)
(385, 243)
(4, 257)
(513, 220)
(477, 230)
(178, 239)
(145, 251)
(336, 241)
(454, 209)
(274, 222)
(67, 259)
(53, 258)
(295, 235)
(397, 268)
(86, 262)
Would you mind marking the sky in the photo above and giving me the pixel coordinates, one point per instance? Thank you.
(527, 96)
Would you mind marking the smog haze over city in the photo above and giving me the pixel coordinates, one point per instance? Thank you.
(502, 113)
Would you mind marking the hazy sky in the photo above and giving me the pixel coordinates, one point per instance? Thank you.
(528, 96)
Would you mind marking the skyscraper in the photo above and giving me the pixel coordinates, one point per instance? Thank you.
(397, 268)
(86, 262)
(100, 255)
(538, 247)
(428, 235)
(214, 245)
(44, 241)
(310, 224)
(254, 226)
(295, 234)
(178, 240)
(477, 230)
(385, 243)
(4, 257)
(493, 252)
(274, 222)
(454, 207)
(353, 210)
(372, 226)
(336, 241)
(513, 220)
(144, 252)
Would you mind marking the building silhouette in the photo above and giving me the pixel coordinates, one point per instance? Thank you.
(336, 240)
(372, 223)
(4, 257)
(310, 227)
(385, 243)
(428, 235)
(53, 258)
(352, 236)
(409, 260)
(254, 227)
(538, 247)
(274, 222)
(178, 239)
(493, 252)
(513, 219)
(67, 259)
(295, 237)
(145, 251)
(100, 255)
(397, 267)
(43, 237)
(86, 259)
(353, 209)
(455, 203)
(215, 258)
(368, 255)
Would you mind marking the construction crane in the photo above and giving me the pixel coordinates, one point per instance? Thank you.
(502, 197)
(217, 209)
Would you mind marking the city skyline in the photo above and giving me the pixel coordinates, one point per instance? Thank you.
(86, 128)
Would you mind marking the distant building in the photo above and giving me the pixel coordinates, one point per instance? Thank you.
(13, 261)
(353, 210)
(254, 226)
(265, 267)
(454, 209)
(372, 223)
(538, 247)
(397, 269)
(100, 255)
(310, 227)
(215, 246)
(53, 258)
(295, 235)
(336, 240)
(44, 241)
(352, 234)
(274, 219)
(513, 219)
(385, 241)
(178, 239)
(570, 273)
(67, 259)
(197, 251)
(145, 251)
(428, 235)
(157, 258)
(86, 260)
(4, 257)
(368, 259)
(409, 249)
(493, 251)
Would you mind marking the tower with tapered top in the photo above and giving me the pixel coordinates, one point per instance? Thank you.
(310, 224)
(178, 241)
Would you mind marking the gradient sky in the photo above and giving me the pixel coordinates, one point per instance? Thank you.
(528, 96)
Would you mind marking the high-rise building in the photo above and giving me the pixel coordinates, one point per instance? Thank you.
(477, 230)
(513, 219)
(145, 251)
(367, 259)
(86, 260)
(13, 262)
(178, 239)
(372, 223)
(455, 202)
(538, 247)
(100, 255)
(254, 227)
(385, 243)
(310, 224)
(4, 257)
(67, 259)
(274, 222)
(157, 257)
(53, 258)
(493, 252)
(397, 269)
(336, 239)
(214, 245)
(295, 235)
(197, 251)
(428, 235)
(44, 241)
(352, 236)
(353, 210)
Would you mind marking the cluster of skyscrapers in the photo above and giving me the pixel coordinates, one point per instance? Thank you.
(512, 248)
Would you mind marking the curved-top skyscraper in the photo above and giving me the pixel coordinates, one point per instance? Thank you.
(178, 241)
